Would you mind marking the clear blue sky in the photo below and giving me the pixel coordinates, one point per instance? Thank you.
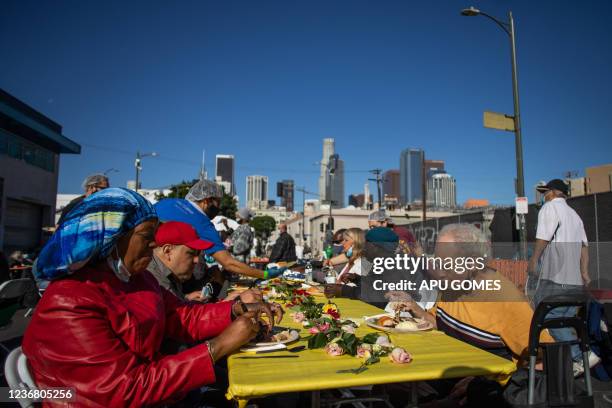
(267, 81)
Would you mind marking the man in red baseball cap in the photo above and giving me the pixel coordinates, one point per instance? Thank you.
(174, 259)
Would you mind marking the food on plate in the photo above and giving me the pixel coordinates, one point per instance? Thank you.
(386, 321)
(407, 325)
(282, 336)
(276, 336)
(401, 322)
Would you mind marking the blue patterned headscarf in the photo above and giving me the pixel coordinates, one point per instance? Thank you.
(91, 230)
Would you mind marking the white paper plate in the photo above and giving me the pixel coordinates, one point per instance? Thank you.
(254, 349)
(294, 335)
(371, 321)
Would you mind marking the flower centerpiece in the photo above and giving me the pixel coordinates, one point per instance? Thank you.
(337, 337)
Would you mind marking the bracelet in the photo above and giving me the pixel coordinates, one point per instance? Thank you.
(210, 350)
(243, 307)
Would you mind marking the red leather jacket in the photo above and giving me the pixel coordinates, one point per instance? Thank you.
(102, 336)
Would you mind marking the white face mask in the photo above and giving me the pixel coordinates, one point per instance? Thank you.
(118, 267)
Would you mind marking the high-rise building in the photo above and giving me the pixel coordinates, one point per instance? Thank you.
(285, 190)
(442, 191)
(224, 173)
(411, 170)
(391, 183)
(203, 172)
(328, 151)
(337, 185)
(331, 186)
(434, 167)
(368, 197)
(257, 192)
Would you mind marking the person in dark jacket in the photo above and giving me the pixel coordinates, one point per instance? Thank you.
(284, 247)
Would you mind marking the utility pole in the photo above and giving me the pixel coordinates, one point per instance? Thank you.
(303, 225)
(377, 173)
(508, 28)
(424, 190)
(138, 165)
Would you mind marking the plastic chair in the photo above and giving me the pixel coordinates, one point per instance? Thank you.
(560, 385)
(15, 288)
(11, 293)
(18, 375)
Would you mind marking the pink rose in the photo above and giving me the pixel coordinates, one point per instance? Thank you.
(298, 317)
(320, 328)
(364, 351)
(383, 341)
(324, 327)
(400, 356)
(334, 349)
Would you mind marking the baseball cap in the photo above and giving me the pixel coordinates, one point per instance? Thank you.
(180, 233)
(554, 184)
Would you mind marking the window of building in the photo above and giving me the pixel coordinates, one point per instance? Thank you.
(21, 149)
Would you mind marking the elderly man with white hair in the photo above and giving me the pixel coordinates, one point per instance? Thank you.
(497, 322)
(91, 184)
(494, 320)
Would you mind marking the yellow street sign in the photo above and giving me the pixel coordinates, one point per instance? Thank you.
(498, 121)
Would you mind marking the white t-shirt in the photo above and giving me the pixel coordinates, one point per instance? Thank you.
(562, 227)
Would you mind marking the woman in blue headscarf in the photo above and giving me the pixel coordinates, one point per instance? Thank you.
(99, 326)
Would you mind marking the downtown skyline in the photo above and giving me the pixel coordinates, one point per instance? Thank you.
(267, 84)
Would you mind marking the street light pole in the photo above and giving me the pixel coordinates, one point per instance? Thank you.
(518, 140)
(138, 165)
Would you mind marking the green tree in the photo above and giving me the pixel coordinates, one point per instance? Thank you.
(228, 206)
(179, 190)
(263, 225)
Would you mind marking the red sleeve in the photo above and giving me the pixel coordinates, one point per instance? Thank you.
(190, 322)
(90, 357)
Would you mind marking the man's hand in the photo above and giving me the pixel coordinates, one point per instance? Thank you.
(251, 296)
(273, 311)
(241, 331)
(586, 280)
(247, 296)
(195, 296)
(532, 267)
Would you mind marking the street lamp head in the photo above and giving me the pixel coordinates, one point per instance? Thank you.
(469, 12)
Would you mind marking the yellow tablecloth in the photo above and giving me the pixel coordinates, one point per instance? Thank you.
(435, 356)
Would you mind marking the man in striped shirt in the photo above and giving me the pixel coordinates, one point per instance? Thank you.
(496, 321)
